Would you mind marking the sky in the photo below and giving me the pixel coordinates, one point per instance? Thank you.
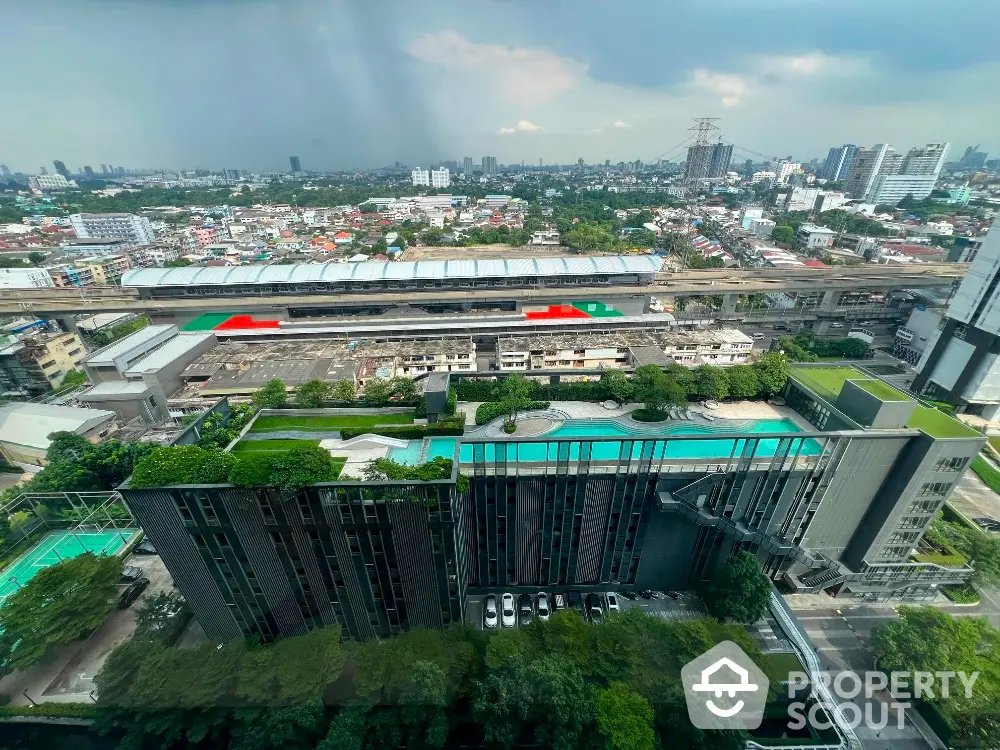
(362, 83)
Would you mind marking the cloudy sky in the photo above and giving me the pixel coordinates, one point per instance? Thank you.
(360, 83)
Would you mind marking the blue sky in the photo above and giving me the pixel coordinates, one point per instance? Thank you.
(357, 83)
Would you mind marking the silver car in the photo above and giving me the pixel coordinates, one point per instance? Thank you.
(507, 610)
(542, 606)
(612, 598)
(490, 619)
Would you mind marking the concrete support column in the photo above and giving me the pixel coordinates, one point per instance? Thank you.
(68, 322)
(830, 300)
(553, 379)
(729, 302)
(821, 327)
(989, 412)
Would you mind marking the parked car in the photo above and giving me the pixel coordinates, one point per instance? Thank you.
(757, 336)
(145, 547)
(612, 598)
(507, 610)
(672, 594)
(836, 325)
(131, 573)
(576, 601)
(594, 611)
(542, 606)
(490, 619)
(559, 602)
(629, 595)
(524, 609)
(645, 594)
(132, 593)
(867, 322)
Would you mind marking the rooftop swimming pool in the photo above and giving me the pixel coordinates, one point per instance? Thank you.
(611, 450)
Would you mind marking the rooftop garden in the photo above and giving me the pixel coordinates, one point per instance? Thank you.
(829, 381)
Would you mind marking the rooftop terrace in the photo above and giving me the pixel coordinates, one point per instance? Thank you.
(828, 382)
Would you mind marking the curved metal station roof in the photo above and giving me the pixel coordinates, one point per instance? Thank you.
(400, 271)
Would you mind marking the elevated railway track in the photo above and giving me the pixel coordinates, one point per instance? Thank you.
(190, 302)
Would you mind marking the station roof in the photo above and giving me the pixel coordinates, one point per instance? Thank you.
(388, 271)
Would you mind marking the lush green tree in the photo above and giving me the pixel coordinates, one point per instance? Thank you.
(772, 372)
(563, 707)
(377, 392)
(655, 390)
(402, 388)
(159, 616)
(343, 392)
(311, 394)
(783, 234)
(74, 379)
(589, 236)
(273, 395)
(60, 604)
(36, 258)
(625, 718)
(616, 386)
(347, 730)
(292, 671)
(738, 590)
(928, 639)
(515, 395)
(423, 700)
(710, 382)
(742, 381)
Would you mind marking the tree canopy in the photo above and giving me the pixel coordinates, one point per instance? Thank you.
(272, 395)
(738, 590)
(59, 604)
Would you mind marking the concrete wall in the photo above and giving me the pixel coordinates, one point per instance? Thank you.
(166, 381)
(870, 411)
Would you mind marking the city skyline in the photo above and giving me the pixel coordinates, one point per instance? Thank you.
(530, 85)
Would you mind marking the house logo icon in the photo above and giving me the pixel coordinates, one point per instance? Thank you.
(724, 689)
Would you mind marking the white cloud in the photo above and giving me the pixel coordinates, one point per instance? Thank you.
(523, 126)
(812, 64)
(621, 125)
(731, 89)
(518, 74)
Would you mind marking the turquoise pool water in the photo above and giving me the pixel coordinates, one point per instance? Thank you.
(610, 450)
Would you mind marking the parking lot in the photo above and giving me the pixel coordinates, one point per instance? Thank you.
(686, 606)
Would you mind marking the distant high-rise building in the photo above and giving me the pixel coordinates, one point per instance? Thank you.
(785, 170)
(607, 162)
(973, 158)
(708, 162)
(43, 171)
(111, 168)
(134, 228)
(420, 177)
(119, 170)
(489, 165)
(993, 164)
(870, 163)
(4, 170)
(440, 178)
(104, 169)
(294, 163)
(232, 175)
(579, 163)
(467, 165)
(926, 161)
(838, 162)
(88, 172)
(61, 168)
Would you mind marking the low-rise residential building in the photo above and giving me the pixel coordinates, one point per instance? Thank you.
(25, 428)
(25, 278)
(128, 226)
(106, 269)
(69, 275)
(812, 237)
(36, 363)
(594, 351)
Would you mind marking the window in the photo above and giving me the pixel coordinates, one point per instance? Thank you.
(206, 507)
(934, 489)
(183, 509)
(951, 464)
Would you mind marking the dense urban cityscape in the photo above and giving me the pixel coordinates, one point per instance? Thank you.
(497, 452)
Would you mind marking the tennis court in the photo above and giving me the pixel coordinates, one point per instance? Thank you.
(57, 546)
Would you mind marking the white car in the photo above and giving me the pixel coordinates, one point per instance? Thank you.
(757, 336)
(867, 322)
(612, 598)
(490, 612)
(542, 606)
(836, 325)
(507, 611)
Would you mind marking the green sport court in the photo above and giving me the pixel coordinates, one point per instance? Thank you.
(56, 547)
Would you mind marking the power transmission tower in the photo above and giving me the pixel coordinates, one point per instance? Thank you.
(699, 153)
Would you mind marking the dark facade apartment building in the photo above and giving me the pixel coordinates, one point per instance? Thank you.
(840, 507)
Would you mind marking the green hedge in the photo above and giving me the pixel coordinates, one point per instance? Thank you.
(985, 471)
(73, 710)
(453, 426)
(942, 724)
(476, 389)
(487, 412)
(950, 515)
(961, 594)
